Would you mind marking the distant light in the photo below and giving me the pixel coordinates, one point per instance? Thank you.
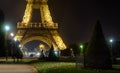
(56, 53)
(20, 46)
(38, 54)
(81, 46)
(15, 39)
(41, 46)
(111, 40)
(7, 28)
(12, 34)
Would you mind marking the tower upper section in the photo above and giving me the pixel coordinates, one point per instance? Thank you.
(42, 5)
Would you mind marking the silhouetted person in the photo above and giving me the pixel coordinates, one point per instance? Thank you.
(16, 52)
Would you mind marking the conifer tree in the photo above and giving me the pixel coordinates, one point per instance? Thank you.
(97, 55)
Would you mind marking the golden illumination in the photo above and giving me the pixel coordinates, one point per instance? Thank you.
(27, 29)
(41, 46)
(58, 40)
(28, 12)
(46, 17)
(44, 11)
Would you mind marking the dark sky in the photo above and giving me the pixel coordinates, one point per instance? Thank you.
(76, 18)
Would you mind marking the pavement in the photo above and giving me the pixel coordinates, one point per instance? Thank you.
(17, 68)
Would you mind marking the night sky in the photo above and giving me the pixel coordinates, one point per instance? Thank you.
(76, 18)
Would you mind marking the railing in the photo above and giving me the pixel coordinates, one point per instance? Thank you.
(36, 25)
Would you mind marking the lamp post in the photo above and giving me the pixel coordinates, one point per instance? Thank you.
(82, 53)
(111, 42)
(111, 46)
(7, 28)
(12, 43)
(81, 49)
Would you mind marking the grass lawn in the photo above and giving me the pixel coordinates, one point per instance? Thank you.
(65, 67)
(59, 67)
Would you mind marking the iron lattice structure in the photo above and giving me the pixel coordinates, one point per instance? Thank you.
(46, 30)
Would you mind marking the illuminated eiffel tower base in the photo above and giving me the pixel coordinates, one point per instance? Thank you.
(46, 30)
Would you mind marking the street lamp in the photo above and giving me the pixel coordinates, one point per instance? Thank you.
(7, 28)
(12, 34)
(111, 42)
(12, 43)
(81, 49)
(111, 46)
(82, 53)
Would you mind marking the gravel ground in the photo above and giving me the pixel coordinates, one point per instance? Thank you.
(17, 68)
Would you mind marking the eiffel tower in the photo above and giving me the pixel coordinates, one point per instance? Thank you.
(45, 30)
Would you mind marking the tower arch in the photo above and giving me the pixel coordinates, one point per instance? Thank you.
(45, 30)
(39, 38)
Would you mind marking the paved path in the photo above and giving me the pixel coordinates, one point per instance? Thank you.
(16, 68)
